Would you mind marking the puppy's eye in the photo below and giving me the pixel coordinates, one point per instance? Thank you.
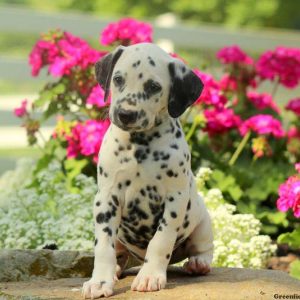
(155, 87)
(151, 87)
(118, 80)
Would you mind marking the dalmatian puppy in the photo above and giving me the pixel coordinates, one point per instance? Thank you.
(147, 204)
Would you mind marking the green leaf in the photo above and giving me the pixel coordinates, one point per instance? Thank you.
(295, 269)
(74, 167)
(51, 110)
(45, 96)
(227, 183)
(290, 238)
(59, 89)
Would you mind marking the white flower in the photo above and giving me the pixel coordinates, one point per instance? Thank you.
(33, 217)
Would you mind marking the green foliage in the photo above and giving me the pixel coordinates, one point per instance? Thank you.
(252, 185)
(291, 238)
(295, 269)
(233, 13)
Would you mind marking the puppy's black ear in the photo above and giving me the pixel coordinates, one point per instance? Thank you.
(186, 87)
(104, 68)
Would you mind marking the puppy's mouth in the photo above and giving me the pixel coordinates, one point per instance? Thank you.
(129, 128)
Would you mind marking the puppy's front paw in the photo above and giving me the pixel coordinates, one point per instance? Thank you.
(198, 265)
(147, 281)
(95, 289)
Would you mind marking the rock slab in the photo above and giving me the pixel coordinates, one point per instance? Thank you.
(220, 284)
(22, 265)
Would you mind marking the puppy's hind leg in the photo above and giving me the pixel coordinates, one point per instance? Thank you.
(122, 255)
(200, 248)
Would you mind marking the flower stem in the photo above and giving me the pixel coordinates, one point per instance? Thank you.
(192, 129)
(275, 87)
(187, 114)
(239, 149)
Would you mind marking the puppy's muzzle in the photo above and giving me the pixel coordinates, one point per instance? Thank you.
(127, 117)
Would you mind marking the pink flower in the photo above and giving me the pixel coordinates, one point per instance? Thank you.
(211, 94)
(262, 101)
(61, 54)
(220, 121)
(289, 195)
(297, 167)
(233, 54)
(127, 32)
(228, 83)
(96, 97)
(282, 63)
(42, 54)
(293, 132)
(21, 111)
(86, 138)
(262, 124)
(294, 106)
(74, 52)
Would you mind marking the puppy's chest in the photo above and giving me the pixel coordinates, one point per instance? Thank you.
(142, 210)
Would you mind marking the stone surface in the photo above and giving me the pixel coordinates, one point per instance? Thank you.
(20, 265)
(220, 284)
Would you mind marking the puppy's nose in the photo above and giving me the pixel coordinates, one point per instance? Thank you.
(127, 116)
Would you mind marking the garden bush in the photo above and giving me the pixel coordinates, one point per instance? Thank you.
(235, 127)
(50, 211)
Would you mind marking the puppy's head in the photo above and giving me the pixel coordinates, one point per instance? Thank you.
(145, 83)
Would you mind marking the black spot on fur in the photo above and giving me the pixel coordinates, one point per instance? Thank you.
(151, 61)
(167, 256)
(189, 205)
(136, 64)
(178, 134)
(186, 224)
(127, 182)
(139, 138)
(96, 242)
(107, 230)
(100, 170)
(103, 217)
(98, 203)
(173, 214)
(170, 173)
(145, 123)
(140, 75)
(140, 155)
(174, 146)
(115, 200)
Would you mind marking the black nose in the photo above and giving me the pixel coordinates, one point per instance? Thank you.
(127, 116)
